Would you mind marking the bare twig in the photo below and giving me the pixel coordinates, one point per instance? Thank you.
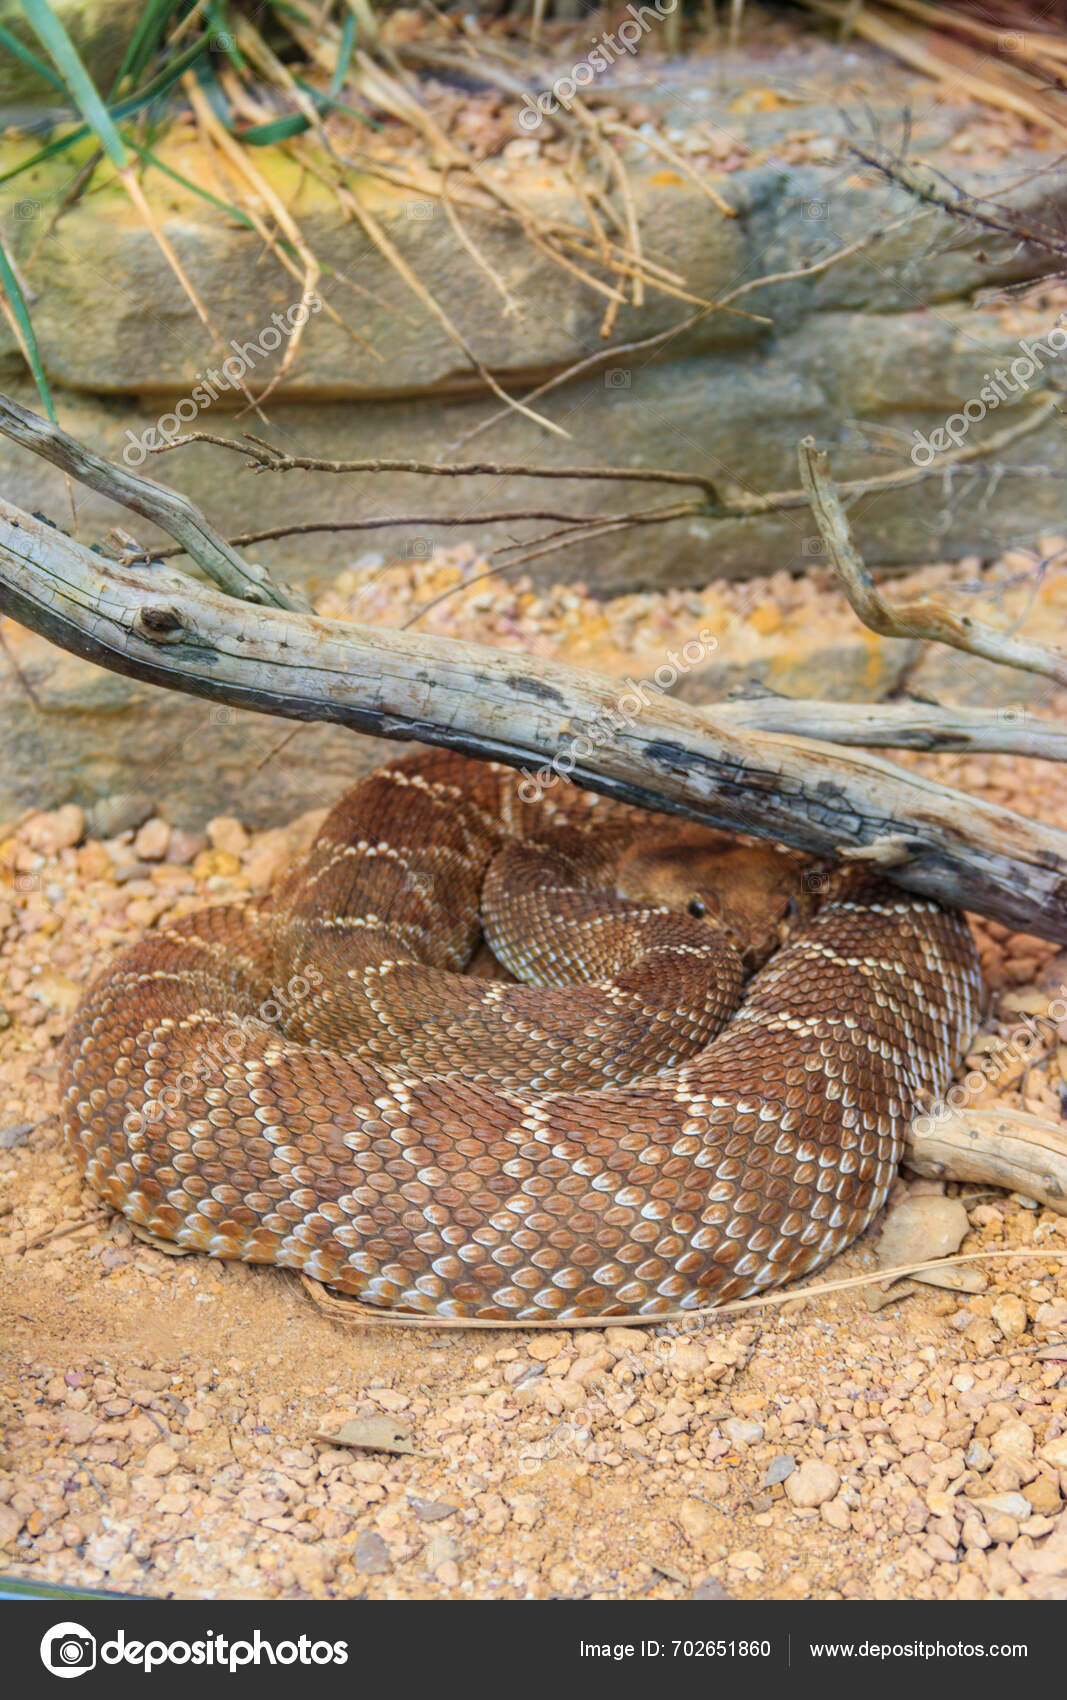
(929, 620)
(173, 513)
(938, 191)
(661, 338)
(265, 457)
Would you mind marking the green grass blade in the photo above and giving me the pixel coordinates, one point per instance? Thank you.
(20, 1588)
(68, 63)
(344, 53)
(29, 58)
(124, 108)
(17, 302)
(278, 130)
(227, 207)
(144, 40)
(158, 164)
(161, 83)
(327, 101)
(46, 153)
(216, 15)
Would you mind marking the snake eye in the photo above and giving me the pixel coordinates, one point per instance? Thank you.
(696, 907)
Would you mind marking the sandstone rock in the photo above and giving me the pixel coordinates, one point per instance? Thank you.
(742, 1431)
(10, 1524)
(836, 1513)
(122, 811)
(49, 833)
(544, 1347)
(152, 840)
(812, 1484)
(1012, 1440)
(923, 1227)
(1054, 1452)
(687, 1358)
(1043, 1495)
(226, 834)
(1009, 1314)
(371, 1556)
(695, 1522)
(160, 1460)
(216, 864)
(1048, 1559)
(525, 1510)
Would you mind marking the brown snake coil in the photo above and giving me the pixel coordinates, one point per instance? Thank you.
(309, 1080)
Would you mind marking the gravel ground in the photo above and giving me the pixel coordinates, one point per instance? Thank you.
(168, 1420)
(453, 594)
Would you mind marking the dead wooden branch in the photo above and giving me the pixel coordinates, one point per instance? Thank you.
(1007, 1148)
(902, 726)
(156, 625)
(173, 513)
(928, 620)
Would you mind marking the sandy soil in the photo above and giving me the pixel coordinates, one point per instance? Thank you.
(163, 1415)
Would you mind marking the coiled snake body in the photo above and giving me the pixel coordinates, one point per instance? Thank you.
(309, 1080)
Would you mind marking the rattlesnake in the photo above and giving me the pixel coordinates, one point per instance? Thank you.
(309, 1079)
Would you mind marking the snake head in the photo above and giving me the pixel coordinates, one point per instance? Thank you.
(754, 891)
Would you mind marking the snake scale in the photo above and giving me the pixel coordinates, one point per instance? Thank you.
(693, 1083)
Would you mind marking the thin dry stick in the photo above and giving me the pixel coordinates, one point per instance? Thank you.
(268, 458)
(387, 522)
(250, 207)
(929, 620)
(381, 241)
(395, 99)
(239, 160)
(616, 167)
(512, 306)
(1019, 41)
(63, 1230)
(553, 542)
(549, 236)
(362, 1316)
(272, 459)
(661, 338)
(939, 191)
(651, 140)
(991, 82)
(573, 171)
